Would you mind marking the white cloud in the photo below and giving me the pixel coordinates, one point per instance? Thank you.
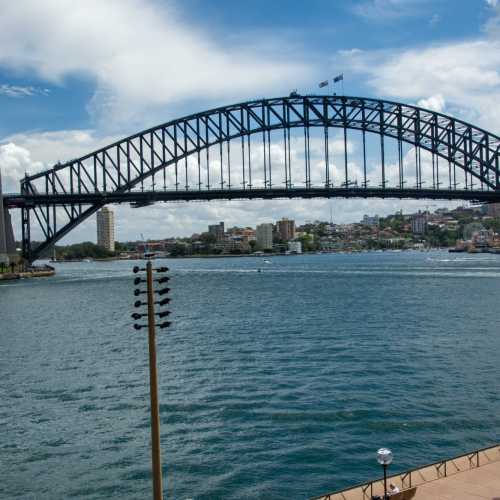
(22, 91)
(15, 161)
(51, 147)
(388, 10)
(465, 74)
(434, 103)
(142, 55)
(148, 58)
(492, 3)
(36, 151)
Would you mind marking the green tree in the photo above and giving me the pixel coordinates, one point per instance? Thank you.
(84, 250)
(493, 224)
(308, 243)
(178, 250)
(208, 238)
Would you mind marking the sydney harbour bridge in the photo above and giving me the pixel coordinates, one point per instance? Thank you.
(287, 147)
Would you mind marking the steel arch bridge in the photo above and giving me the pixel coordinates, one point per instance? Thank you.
(248, 150)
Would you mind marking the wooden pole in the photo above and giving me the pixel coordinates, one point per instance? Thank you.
(153, 383)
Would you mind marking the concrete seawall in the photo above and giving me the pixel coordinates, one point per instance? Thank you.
(35, 273)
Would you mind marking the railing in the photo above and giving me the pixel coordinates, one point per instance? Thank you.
(419, 475)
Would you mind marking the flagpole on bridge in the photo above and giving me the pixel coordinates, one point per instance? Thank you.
(325, 83)
(339, 78)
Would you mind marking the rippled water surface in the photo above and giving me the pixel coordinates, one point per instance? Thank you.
(273, 384)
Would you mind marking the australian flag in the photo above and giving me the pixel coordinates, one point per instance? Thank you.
(323, 84)
(338, 78)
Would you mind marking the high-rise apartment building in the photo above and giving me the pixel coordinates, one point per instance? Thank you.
(217, 230)
(419, 223)
(106, 229)
(264, 236)
(286, 229)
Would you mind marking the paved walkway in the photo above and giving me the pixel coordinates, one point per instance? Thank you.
(482, 482)
(472, 476)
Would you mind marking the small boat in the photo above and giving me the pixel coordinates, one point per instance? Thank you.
(267, 262)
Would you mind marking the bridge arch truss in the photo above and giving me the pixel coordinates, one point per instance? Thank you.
(214, 155)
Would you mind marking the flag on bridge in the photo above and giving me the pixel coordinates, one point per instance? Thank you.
(338, 78)
(323, 84)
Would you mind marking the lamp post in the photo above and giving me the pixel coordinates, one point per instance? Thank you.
(153, 379)
(384, 458)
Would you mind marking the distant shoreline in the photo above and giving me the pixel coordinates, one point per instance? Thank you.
(39, 273)
(259, 256)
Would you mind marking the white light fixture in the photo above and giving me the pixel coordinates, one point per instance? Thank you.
(384, 456)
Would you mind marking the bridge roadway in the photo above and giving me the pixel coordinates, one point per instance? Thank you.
(142, 198)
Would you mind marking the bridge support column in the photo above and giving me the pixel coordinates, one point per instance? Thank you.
(7, 242)
(4, 258)
(25, 215)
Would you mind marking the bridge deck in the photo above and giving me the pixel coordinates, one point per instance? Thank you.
(17, 200)
(475, 475)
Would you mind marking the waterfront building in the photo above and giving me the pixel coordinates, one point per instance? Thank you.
(331, 245)
(482, 238)
(106, 229)
(295, 246)
(249, 234)
(217, 230)
(419, 223)
(264, 236)
(151, 247)
(286, 229)
(470, 229)
(233, 244)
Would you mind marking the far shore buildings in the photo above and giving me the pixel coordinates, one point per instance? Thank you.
(419, 223)
(286, 229)
(217, 230)
(264, 236)
(370, 220)
(396, 231)
(106, 229)
(295, 247)
(493, 209)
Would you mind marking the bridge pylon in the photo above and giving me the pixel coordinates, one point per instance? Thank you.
(7, 241)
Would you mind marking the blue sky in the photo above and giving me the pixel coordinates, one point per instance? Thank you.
(76, 76)
(318, 29)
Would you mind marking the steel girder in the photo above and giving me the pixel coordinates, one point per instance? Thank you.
(119, 170)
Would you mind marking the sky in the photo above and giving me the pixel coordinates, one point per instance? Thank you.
(78, 75)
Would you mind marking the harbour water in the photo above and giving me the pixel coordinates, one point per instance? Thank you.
(274, 384)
